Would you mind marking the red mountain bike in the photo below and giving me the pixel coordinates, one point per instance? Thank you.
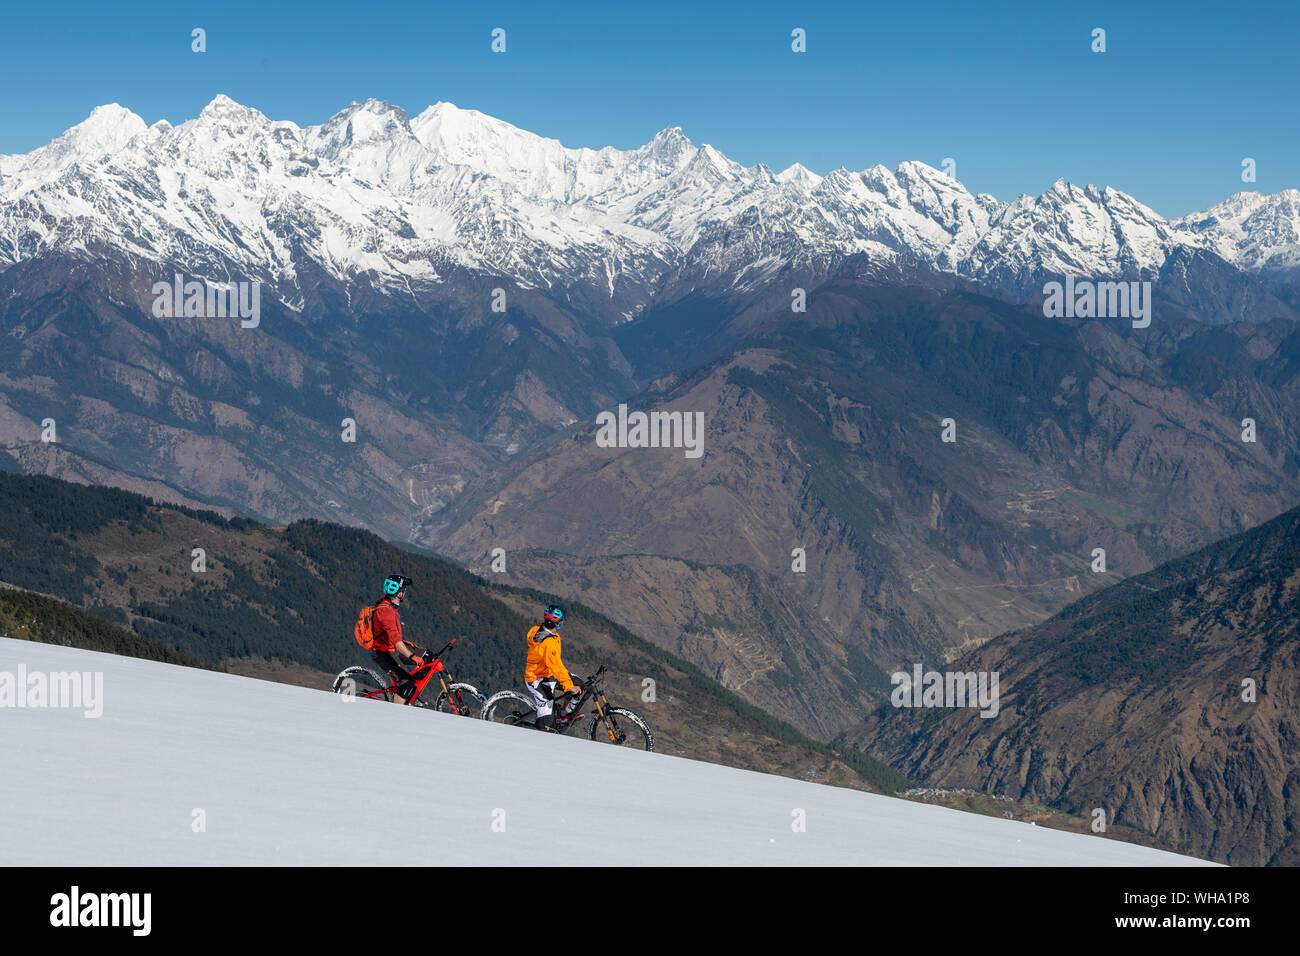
(455, 698)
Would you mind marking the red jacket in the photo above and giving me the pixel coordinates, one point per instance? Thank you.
(387, 625)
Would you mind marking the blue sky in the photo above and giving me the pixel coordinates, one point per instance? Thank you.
(1011, 91)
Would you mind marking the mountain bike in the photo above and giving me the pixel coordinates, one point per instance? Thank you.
(455, 698)
(609, 724)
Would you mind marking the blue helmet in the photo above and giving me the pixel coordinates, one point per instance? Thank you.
(394, 583)
(553, 615)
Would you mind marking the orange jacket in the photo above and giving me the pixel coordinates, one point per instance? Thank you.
(544, 658)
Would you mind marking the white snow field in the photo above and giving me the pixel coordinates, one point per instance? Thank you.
(288, 775)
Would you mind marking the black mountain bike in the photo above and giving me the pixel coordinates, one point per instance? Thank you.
(608, 724)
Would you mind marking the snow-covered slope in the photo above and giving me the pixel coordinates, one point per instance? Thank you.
(285, 775)
(374, 194)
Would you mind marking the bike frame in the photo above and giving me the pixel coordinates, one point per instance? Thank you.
(420, 678)
(602, 711)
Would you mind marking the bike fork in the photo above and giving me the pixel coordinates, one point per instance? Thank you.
(609, 723)
(452, 702)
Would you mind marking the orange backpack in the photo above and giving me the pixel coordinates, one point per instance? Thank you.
(365, 630)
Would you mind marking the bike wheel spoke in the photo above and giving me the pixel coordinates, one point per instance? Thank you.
(461, 701)
(358, 682)
(622, 728)
(508, 707)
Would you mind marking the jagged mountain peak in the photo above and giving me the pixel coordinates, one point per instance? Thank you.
(108, 120)
(373, 121)
(671, 136)
(1257, 230)
(221, 103)
(445, 121)
(915, 169)
(106, 131)
(797, 173)
(222, 111)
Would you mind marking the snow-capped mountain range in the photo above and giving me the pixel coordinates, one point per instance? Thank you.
(376, 195)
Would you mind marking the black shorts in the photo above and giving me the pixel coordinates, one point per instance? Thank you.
(390, 665)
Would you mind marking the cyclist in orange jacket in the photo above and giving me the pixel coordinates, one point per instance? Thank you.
(545, 674)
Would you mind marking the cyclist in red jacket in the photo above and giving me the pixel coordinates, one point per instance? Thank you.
(390, 652)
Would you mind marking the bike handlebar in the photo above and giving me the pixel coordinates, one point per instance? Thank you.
(436, 654)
